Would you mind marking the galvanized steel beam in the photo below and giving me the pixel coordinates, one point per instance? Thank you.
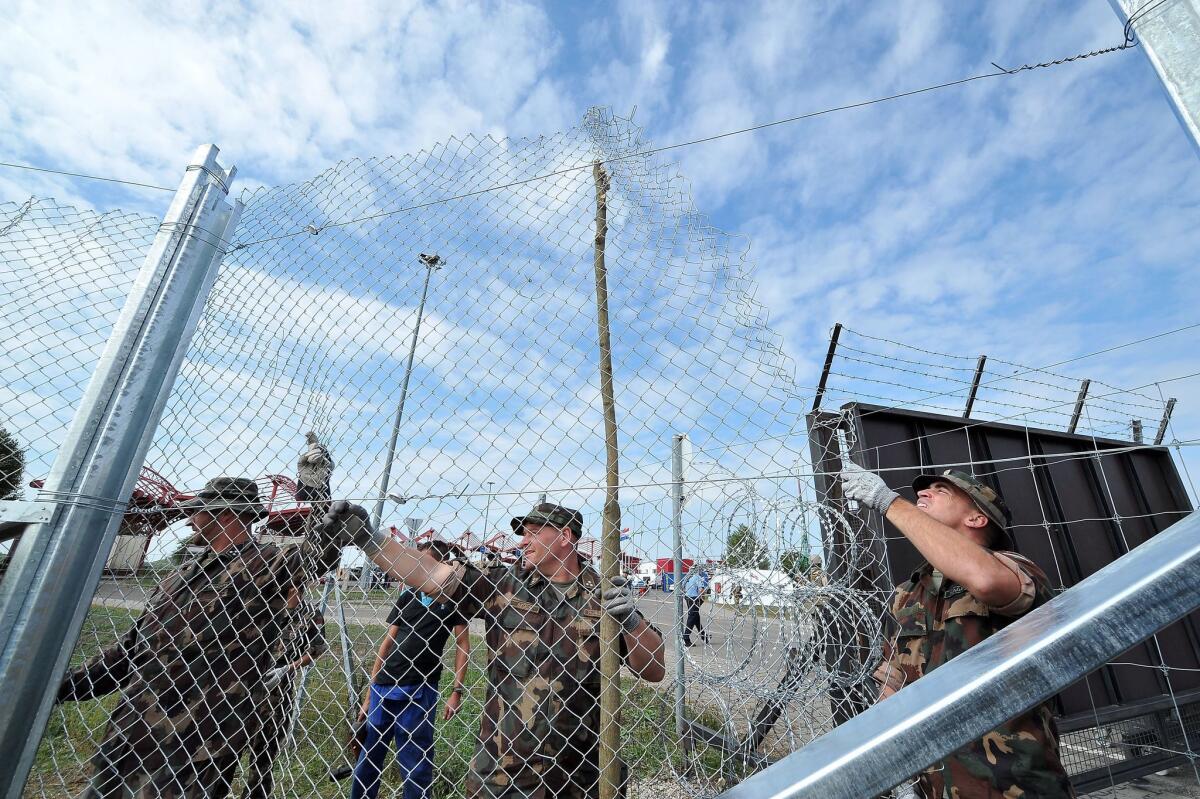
(56, 566)
(1169, 33)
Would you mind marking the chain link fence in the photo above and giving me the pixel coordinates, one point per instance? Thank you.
(419, 336)
(66, 275)
(410, 294)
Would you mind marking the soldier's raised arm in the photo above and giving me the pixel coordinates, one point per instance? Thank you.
(345, 524)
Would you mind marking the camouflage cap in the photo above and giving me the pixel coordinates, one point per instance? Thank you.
(549, 513)
(238, 494)
(983, 495)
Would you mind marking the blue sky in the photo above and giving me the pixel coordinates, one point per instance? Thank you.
(1034, 218)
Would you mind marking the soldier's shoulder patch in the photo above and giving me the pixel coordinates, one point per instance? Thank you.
(591, 613)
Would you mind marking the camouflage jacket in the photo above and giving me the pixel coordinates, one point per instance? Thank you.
(542, 712)
(190, 669)
(304, 634)
(938, 620)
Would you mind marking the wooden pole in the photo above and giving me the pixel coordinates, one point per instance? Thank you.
(610, 539)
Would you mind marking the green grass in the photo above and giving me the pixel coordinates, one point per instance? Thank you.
(648, 744)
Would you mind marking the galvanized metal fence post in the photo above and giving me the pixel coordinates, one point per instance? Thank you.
(677, 551)
(55, 568)
(1170, 37)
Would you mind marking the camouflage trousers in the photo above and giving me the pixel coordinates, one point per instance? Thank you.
(264, 746)
(209, 779)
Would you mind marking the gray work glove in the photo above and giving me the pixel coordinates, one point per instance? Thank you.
(347, 524)
(315, 454)
(866, 487)
(275, 676)
(618, 603)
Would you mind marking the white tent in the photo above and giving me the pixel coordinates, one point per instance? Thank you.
(759, 586)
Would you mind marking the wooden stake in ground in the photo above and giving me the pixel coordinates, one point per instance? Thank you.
(610, 539)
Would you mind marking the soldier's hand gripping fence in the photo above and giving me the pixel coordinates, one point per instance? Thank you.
(244, 651)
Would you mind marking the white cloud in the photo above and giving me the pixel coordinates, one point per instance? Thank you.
(129, 89)
(1026, 217)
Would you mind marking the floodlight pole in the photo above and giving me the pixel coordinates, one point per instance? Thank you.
(431, 263)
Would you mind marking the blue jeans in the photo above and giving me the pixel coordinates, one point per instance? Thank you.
(404, 713)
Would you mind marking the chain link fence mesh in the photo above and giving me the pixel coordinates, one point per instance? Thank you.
(65, 278)
(331, 317)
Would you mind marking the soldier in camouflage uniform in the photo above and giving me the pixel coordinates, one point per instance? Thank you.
(539, 735)
(971, 586)
(190, 669)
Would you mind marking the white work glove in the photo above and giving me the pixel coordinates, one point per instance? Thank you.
(618, 603)
(275, 676)
(866, 487)
(348, 524)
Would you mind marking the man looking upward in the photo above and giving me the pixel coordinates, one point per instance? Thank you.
(971, 586)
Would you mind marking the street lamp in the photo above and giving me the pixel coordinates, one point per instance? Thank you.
(431, 263)
(487, 509)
